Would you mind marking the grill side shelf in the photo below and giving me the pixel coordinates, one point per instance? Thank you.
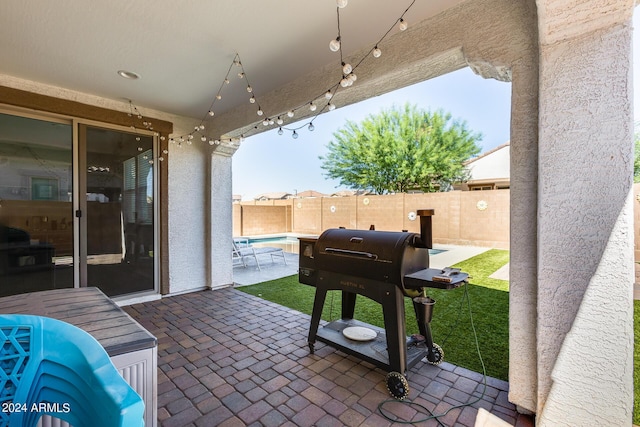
(429, 278)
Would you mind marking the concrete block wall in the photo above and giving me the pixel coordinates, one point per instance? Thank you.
(461, 217)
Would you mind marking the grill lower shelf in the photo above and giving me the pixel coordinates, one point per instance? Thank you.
(374, 351)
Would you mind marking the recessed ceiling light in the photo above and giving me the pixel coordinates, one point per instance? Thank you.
(128, 74)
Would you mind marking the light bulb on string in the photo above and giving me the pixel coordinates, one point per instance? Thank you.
(252, 100)
(352, 78)
(241, 75)
(161, 158)
(271, 121)
(376, 52)
(328, 95)
(140, 149)
(311, 127)
(217, 142)
(403, 24)
(201, 127)
(265, 122)
(290, 113)
(312, 106)
(181, 139)
(211, 113)
(137, 138)
(279, 120)
(203, 138)
(342, 3)
(249, 89)
(165, 151)
(334, 45)
(162, 138)
(226, 81)
(344, 82)
(190, 137)
(280, 132)
(346, 68)
(218, 96)
(294, 135)
(211, 142)
(260, 112)
(331, 106)
(189, 141)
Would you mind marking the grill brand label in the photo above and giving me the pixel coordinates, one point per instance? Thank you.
(352, 284)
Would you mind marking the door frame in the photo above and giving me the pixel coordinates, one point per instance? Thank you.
(80, 203)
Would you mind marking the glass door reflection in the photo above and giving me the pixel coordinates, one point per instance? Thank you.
(36, 208)
(119, 207)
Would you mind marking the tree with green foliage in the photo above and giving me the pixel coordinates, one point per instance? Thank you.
(401, 149)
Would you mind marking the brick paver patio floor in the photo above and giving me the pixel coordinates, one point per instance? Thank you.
(230, 359)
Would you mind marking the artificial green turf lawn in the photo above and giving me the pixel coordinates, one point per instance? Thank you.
(636, 362)
(451, 324)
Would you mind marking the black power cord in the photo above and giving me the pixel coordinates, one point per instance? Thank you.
(438, 416)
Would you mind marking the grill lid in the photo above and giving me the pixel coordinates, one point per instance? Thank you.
(378, 255)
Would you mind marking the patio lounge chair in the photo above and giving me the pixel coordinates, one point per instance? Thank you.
(241, 251)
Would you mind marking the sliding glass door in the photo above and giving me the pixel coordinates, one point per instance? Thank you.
(117, 188)
(36, 204)
(77, 207)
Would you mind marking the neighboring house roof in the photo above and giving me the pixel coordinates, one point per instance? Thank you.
(282, 195)
(492, 165)
(347, 193)
(310, 193)
(236, 197)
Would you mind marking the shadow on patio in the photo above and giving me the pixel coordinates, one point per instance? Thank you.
(228, 358)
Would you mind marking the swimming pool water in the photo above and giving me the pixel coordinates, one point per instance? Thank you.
(291, 244)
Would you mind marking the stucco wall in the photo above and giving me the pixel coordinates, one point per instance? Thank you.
(585, 214)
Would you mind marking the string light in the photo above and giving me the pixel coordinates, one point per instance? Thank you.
(347, 80)
(334, 45)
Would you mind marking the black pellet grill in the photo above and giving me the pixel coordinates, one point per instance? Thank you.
(385, 267)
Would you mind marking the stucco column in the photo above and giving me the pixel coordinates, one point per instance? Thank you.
(585, 217)
(523, 223)
(220, 217)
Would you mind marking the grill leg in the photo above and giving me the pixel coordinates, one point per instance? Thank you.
(393, 312)
(348, 304)
(318, 303)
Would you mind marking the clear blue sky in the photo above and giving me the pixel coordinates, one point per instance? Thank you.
(270, 162)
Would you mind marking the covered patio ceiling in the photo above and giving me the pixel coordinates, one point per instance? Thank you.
(182, 50)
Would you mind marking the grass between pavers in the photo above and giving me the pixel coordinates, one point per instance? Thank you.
(451, 326)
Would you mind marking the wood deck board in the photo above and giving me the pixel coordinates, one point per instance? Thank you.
(88, 309)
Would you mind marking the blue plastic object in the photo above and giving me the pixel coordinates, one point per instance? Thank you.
(51, 367)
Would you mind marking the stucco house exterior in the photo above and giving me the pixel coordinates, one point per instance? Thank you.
(571, 150)
(489, 171)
